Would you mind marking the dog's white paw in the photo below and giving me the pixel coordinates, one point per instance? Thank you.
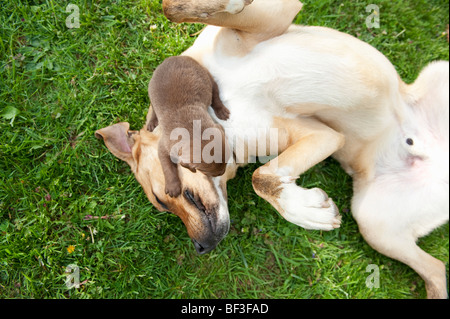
(236, 6)
(309, 208)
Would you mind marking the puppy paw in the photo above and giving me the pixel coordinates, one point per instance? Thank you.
(152, 125)
(308, 208)
(173, 189)
(223, 114)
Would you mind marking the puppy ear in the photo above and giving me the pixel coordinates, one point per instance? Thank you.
(118, 139)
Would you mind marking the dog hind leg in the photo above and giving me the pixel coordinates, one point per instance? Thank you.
(391, 221)
(402, 247)
(191, 11)
(253, 16)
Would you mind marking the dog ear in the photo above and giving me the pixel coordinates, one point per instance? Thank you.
(119, 140)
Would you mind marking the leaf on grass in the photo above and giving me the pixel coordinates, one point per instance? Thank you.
(10, 113)
(34, 66)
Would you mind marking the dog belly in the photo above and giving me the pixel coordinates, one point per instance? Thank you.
(307, 65)
(293, 75)
(415, 200)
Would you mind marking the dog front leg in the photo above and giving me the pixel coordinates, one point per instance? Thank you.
(312, 142)
(170, 170)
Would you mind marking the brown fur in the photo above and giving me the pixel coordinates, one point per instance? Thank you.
(181, 90)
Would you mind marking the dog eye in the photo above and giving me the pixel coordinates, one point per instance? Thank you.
(196, 202)
(164, 206)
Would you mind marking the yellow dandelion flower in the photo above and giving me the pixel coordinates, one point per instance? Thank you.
(70, 249)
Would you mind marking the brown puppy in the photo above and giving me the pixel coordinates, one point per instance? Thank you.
(180, 91)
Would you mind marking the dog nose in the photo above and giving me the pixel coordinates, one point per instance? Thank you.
(202, 248)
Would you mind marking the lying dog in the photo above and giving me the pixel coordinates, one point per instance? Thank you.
(327, 94)
(180, 91)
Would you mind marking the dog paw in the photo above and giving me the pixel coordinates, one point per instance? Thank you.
(309, 208)
(223, 114)
(173, 189)
(152, 125)
(236, 6)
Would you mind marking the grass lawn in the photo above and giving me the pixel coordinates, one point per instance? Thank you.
(65, 200)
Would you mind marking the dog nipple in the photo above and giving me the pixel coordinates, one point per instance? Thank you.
(410, 141)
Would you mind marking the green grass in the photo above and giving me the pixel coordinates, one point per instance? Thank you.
(59, 85)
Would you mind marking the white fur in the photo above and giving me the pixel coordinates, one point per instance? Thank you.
(308, 208)
(413, 181)
(223, 216)
(286, 70)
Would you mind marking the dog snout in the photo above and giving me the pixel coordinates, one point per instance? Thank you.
(210, 229)
(207, 215)
(203, 248)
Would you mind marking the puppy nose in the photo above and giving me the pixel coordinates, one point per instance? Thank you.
(202, 248)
